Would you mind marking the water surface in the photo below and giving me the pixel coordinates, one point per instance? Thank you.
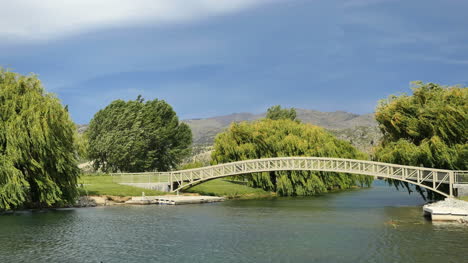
(378, 224)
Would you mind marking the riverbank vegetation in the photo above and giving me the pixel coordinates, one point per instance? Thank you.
(38, 166)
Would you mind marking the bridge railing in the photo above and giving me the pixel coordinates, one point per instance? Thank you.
(417, 174)
(412, 174)
(140, 178)
(461, 177)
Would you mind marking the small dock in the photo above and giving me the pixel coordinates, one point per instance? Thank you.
(448, 210)
(173, 200)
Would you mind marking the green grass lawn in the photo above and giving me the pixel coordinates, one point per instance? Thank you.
(103, 185)
(231, 189)
(464, 198)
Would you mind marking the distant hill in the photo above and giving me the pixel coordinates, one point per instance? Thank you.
(82, 127)
(360, 130)
(204, 130)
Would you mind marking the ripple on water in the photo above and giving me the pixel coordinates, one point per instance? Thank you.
(374, 225)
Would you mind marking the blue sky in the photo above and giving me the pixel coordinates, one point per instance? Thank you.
(216, 57)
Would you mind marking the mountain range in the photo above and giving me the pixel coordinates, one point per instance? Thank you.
(360, 130)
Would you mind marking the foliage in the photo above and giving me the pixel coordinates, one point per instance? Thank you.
(137, 136)
(277, 113)
(277, 138)
(37, 154)
(81, 146)
(426, 129)
(192, 165)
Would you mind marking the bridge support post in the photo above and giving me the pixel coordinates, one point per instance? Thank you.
(171, 182)
(451, 182)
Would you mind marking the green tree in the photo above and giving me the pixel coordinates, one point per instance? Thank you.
(37, 153)
(276, 138)
(277, 113)
(192, 165)
(427, 128)
(136, 136)
(81, 146)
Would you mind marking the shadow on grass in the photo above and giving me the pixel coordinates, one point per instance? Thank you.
(227, 188)
(236, 182)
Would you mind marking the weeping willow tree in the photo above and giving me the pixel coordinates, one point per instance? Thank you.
(426, 129)
(278, 138)
(37, 155)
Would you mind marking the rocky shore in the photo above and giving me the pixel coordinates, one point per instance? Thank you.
(107, 200)
(101, 200)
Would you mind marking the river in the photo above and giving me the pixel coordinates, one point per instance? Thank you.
(378, 224)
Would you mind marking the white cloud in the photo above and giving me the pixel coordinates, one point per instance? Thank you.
(45, 19)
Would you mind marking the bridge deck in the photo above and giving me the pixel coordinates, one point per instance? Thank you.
(411, 174)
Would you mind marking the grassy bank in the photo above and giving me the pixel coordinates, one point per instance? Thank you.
(103, 185)
(230, 189)
(465, 198)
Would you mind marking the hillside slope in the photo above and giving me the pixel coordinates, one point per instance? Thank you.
(361, 130)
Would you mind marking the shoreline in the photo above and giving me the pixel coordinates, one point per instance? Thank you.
(448, 210)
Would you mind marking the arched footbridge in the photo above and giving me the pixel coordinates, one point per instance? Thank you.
(428, 178)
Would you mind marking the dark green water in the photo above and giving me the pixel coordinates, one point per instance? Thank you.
(340, 227)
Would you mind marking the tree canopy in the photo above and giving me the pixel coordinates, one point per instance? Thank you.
(277, 138)
(37, 154)
(278, 113)
(427, 128)
(137, 136)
